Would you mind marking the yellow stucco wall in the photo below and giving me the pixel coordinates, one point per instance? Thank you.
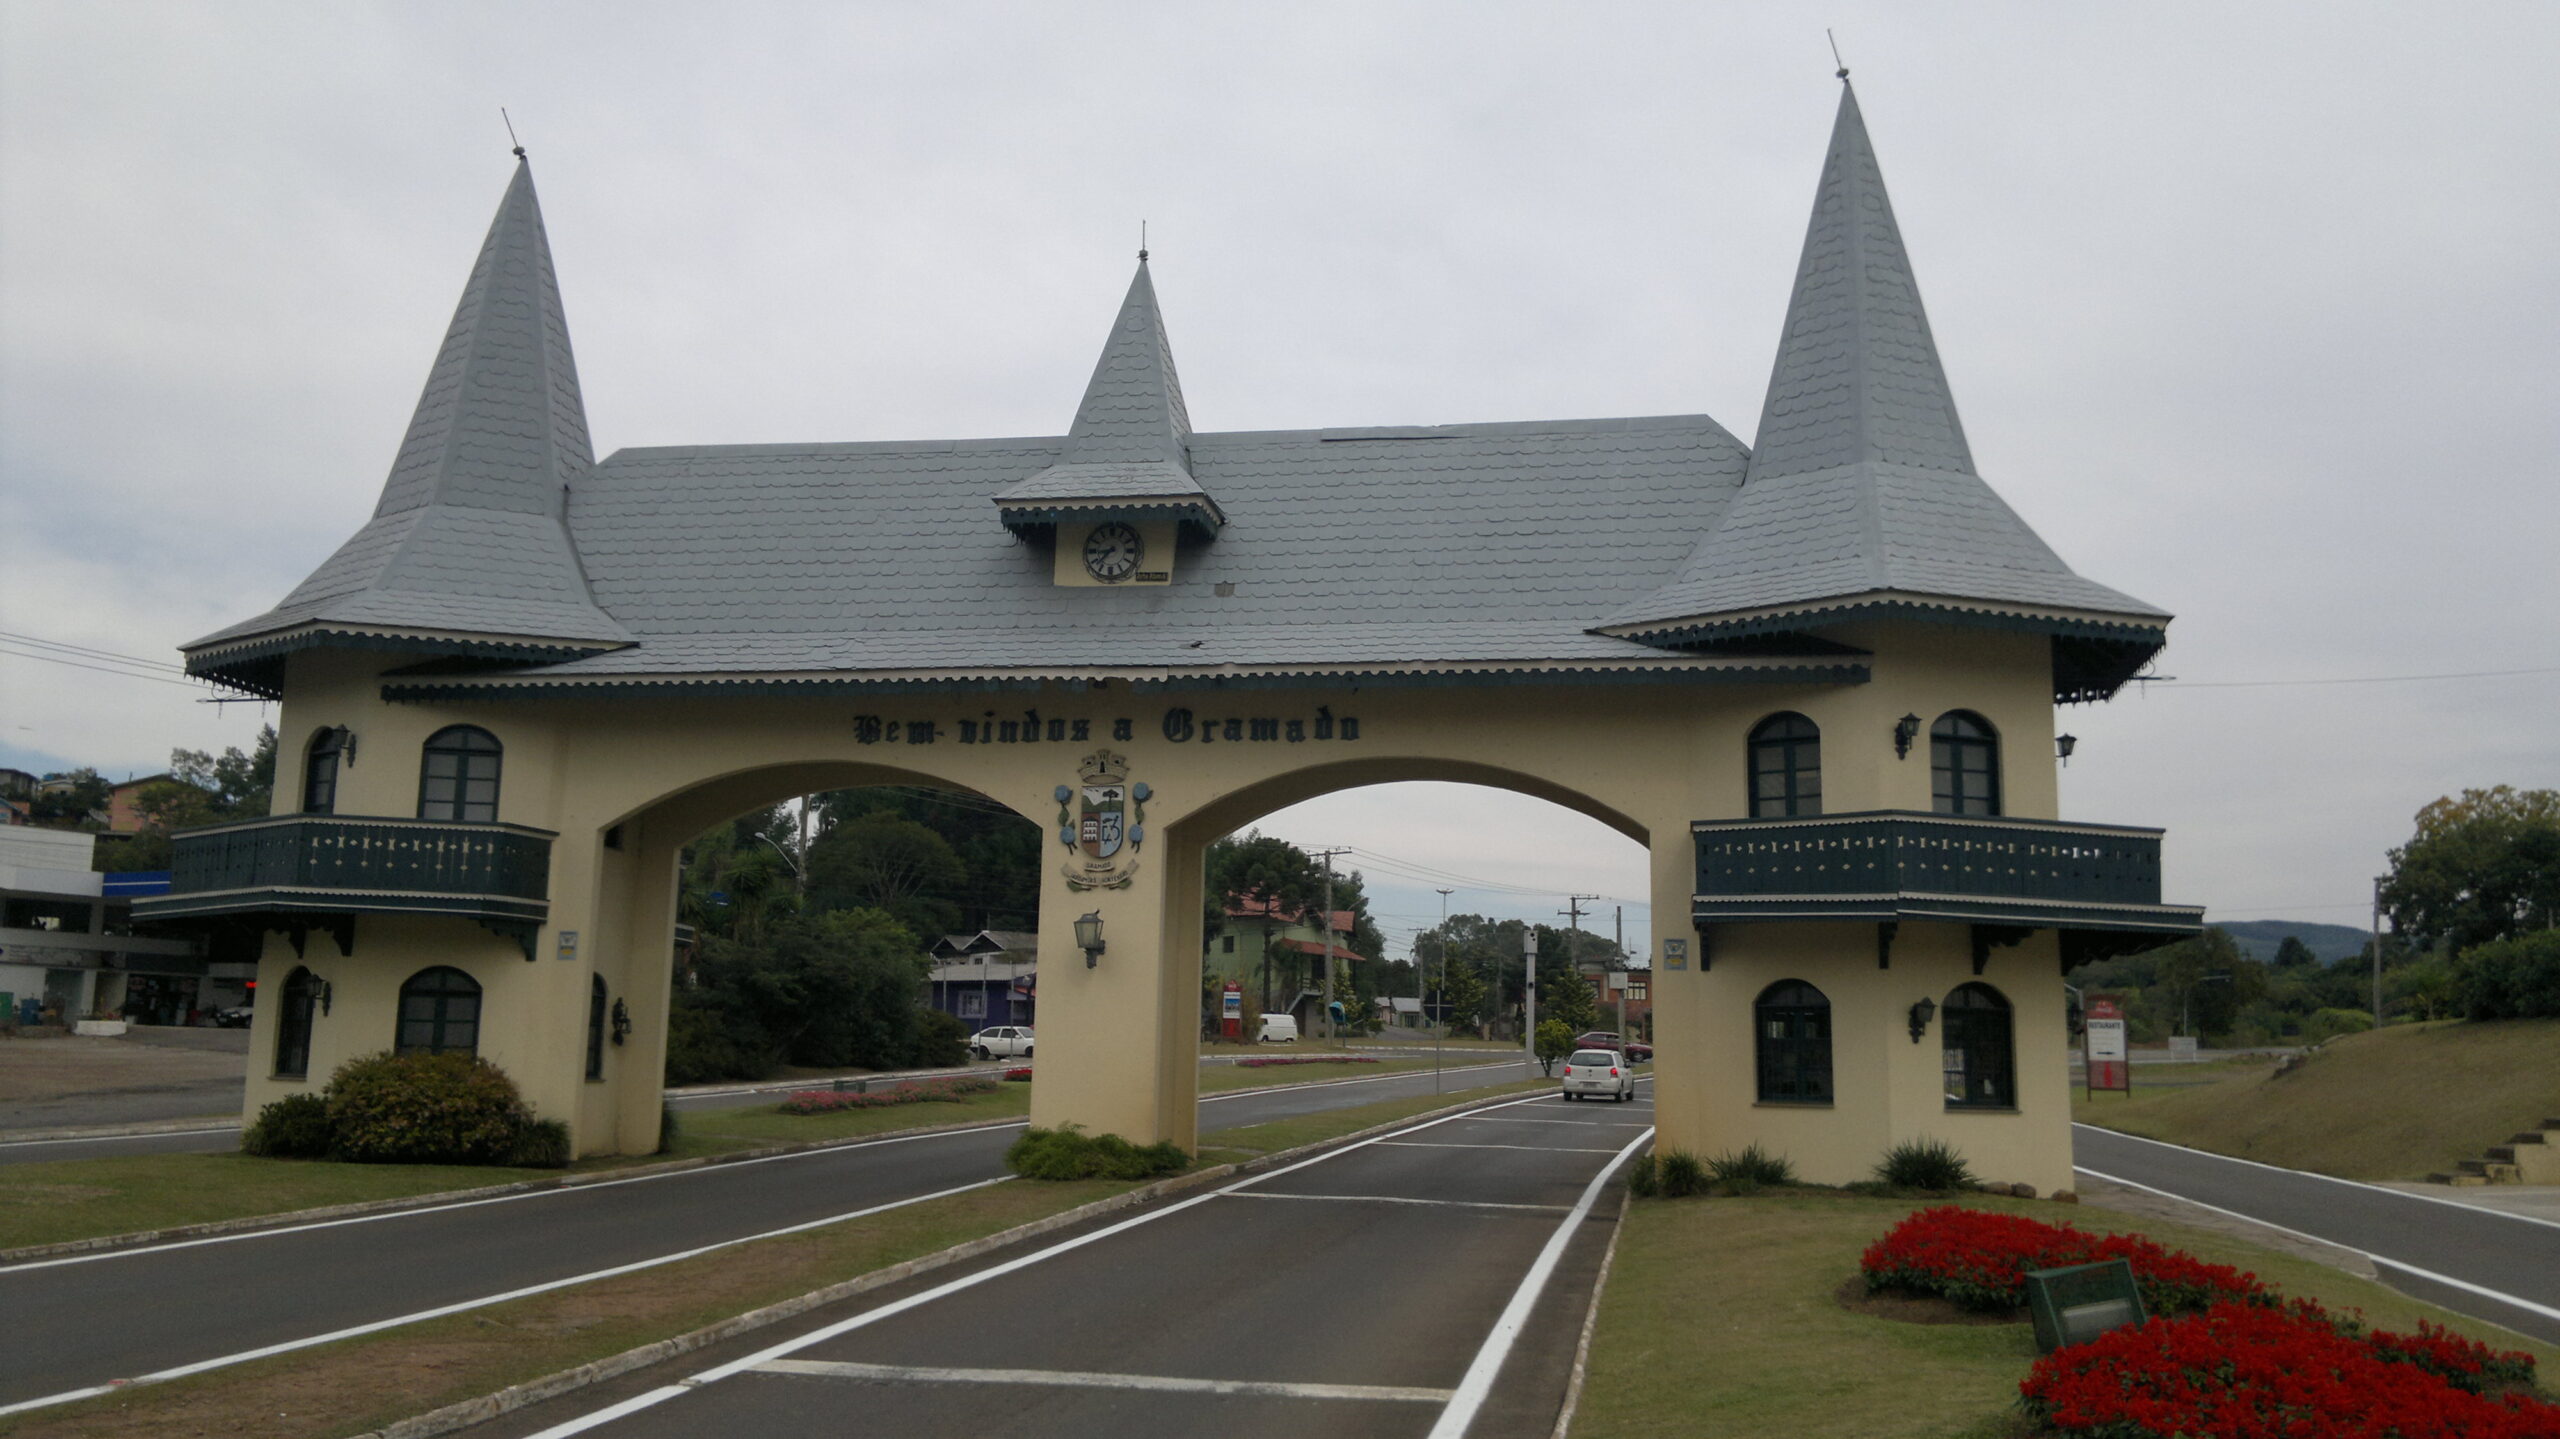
(1646, 759)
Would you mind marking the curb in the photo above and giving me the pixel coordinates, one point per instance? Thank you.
(141, 1129)
(1590, 1323)
(467, 1412)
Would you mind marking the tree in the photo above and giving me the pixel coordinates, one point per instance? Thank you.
(74, 806)
(2482, 867)
(2207, 981)
(1555, 1041)
(826, 990)
(203, 789)
(888, 862)
(1270, 878)
(2294, 954)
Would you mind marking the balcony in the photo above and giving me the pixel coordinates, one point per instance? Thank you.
(2097, 884)
(297, 873)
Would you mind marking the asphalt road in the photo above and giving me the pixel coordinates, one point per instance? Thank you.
(91, 1319)
(2504, 1268)
(1430, 1283)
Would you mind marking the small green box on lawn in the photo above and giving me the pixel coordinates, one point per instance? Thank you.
(2078, 1302)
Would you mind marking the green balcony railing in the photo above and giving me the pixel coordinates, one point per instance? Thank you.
(1892, 865)
(304, 869)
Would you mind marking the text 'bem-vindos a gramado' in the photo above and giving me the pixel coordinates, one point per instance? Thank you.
(1179, 725)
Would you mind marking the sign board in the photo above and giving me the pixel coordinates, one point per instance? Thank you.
(568, 944)
(1235, 1001)
(2182, 1048)
(1675, 954)
(2105, 1060)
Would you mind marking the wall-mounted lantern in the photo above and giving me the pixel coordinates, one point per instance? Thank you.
(1905, 730)
(1089, 937)
(323, 995)
(1920, 1016)
(621, 1022)
(2063, 745)
(343, 740)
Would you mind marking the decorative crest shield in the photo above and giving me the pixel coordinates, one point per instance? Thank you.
(1102, 820)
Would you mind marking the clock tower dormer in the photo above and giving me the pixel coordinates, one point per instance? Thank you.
(1121, 495)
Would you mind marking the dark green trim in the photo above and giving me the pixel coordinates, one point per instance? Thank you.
(258, 665)
(1201, 516)
(2092, 659)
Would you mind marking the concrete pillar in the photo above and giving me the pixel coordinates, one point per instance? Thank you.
(1118, 1048)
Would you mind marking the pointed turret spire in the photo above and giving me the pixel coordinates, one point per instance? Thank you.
(1130, 445)
(468, 539)
(1861, 493)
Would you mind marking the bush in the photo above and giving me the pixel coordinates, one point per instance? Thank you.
(1067, 1152)
(1682, 1175)
(941, 1041)
(2327, 1024)
(1931, 1164)
(1644, 1178)
(708, 1043)
(2511, 978)
(424, 1109)
(294, 1127)
(669, 1128)
(1746, 1170)
(541, 1144)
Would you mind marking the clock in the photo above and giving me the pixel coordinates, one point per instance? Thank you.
(1111, 552)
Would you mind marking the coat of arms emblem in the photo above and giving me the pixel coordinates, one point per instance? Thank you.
(1102, 819)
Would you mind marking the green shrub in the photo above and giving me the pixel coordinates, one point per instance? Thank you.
(669, 1128)
(2511, 978)
(706, 1044)
(294, 1127)
(1682, 1175)
(541, 1144)
(1746, 1170)
(1644, 1178)
(2327, 1024)
(1067, 1152)
(1931, 1164)
(941, 1041)
(424, 1109)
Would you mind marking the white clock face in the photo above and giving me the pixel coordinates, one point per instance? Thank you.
(1111, 552)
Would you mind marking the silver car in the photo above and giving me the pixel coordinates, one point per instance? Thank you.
(1596, 1072)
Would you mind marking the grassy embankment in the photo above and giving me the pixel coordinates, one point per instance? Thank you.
(364, 1383)
(2395, 1103)
(1721, 1319)
(62, 1200)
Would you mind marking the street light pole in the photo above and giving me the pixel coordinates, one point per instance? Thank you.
(1440, 1034)
(2377, 949)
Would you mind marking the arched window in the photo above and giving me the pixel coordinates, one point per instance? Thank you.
(440, 1012)
(320, 772)
(1786, 767)
(1964, 760)
(1791, 1027)
(1980, 1073)
(459, 779)
(595, 1026)
(293, 1024)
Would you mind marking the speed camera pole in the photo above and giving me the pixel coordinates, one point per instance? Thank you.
(1440, 1035)
(1529, 987)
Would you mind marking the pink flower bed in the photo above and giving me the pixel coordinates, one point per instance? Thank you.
(828, 1101)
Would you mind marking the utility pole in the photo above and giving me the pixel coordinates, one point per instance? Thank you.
(1573, 947)
(1624, 1038)
(2377, 949)
(1439, 1036)
(1327, 925)
(1529, 991)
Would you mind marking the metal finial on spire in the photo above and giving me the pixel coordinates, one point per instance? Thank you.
(1142, 241)
(511, 132)
(1835, 52)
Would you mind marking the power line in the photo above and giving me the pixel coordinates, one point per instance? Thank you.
(2357, 680)
(90, 652)
(101, 669)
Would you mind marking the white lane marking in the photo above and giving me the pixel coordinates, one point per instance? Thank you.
(1583, 1123)
(1478, 1383)
(1078, 1379)
(1434, 1203)
(1292, 1088)
(895, 1307)
(105, 1254)
(289, 1345)
(2333, 1179)
(2529, 1306)
(1533, 1148)
(104, 1138)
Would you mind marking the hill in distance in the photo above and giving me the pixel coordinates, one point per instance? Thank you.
(2258, 938)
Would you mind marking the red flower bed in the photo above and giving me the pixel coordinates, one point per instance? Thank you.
(828, 1101)
(1274, 1061)
(1979, 1259)
(2255, 1371)
(1022, 1075)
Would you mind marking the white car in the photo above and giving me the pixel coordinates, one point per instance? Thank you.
(1005, 1041)
(1597, 1072)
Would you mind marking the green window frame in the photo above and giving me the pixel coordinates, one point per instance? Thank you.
(1980, 1064)
(320, 771)
(1785, 781)
(458, 775)
(293, 1025)
(1964, 764)
(439, 1013)
(1791, 1043)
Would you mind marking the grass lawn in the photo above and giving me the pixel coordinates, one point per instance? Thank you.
(1258, 1139)
(2395, 1103)
(1720, 1320)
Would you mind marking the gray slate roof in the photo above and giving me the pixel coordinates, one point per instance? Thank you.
(1862, 482)
(468, 535)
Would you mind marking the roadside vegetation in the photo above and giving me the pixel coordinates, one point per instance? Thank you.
(2396, 1103)
(1742, 1317)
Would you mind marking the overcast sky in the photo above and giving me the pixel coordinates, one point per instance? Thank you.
(2252, 311)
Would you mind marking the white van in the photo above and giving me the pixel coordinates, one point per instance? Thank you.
(1279, 1029)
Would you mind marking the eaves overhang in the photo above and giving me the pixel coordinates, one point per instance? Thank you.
(1198, 514)
(256, 664)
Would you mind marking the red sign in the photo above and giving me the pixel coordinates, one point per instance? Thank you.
(2108, 1064)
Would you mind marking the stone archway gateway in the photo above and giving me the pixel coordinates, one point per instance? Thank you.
(1816, 677)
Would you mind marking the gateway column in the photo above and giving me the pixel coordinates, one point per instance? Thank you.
(1118, 1049)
